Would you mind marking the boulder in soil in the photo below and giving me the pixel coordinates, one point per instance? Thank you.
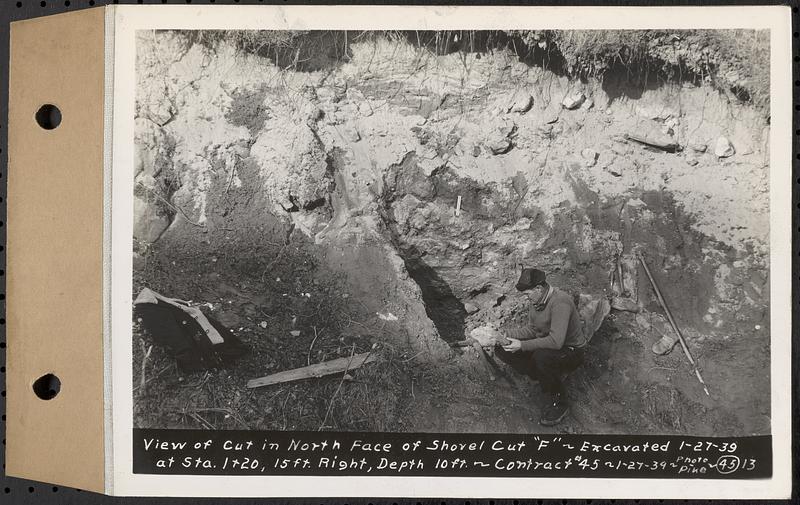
(499, 145)
(471, 308)
(500, 142)
(665, 344)
(724, 148)
(699, 148)
(573, 100)
(521, 104)
(624, 304)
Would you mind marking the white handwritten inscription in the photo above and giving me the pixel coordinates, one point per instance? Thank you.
(647, 446)
(156, 444)
(535, 455)
(300, 445)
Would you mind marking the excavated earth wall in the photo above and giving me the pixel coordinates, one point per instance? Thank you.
(426, 181)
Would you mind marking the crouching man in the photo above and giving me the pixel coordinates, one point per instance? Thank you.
(549, 345)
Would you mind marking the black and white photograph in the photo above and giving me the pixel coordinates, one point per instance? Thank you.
(455, 231)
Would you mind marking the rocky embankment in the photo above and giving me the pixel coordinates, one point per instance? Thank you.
(427, 180)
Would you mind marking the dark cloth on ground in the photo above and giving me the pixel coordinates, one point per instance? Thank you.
(555, 325)
(185, 339)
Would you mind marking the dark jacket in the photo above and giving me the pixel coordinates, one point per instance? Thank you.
(552, 326)
(186, 339)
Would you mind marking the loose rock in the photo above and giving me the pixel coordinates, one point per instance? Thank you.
(573, 100)
(665, 345)
(522, 104)
(499, 146)
(698, 148)
(724, 148)
(624, 304)
(500, 143)
(471, 308)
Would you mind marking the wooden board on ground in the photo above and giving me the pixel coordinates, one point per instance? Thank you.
(317, 370)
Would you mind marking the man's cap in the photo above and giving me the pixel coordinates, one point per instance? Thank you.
(530, 278)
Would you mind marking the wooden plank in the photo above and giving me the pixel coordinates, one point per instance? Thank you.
(317, 370)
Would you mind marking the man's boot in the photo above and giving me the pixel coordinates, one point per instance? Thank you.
(555, 411)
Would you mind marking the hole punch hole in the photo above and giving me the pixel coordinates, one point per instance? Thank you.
(48, 116)
(47, 386)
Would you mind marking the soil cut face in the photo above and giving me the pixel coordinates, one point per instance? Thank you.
(386, 202)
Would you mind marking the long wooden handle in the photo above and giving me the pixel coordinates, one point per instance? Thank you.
(664, 306)
(673, 323)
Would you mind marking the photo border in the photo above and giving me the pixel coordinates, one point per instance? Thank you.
(126, 20)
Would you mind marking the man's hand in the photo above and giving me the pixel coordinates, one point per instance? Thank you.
(513, 345)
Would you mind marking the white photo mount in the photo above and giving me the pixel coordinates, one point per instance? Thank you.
(70, 249)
